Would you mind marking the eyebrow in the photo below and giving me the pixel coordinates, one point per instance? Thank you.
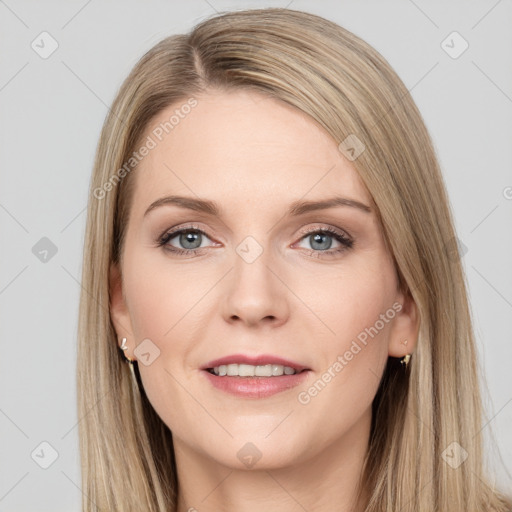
(296, 208)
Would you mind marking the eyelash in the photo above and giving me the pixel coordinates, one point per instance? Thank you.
(346, 243)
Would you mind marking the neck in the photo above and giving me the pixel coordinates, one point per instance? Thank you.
(327, 481)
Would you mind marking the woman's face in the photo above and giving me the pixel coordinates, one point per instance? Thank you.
(259, 281)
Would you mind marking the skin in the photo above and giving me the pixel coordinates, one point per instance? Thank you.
(254, 156)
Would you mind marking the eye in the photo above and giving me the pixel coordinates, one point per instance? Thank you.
(321, 241)
(189, 239)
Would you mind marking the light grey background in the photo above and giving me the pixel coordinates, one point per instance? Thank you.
(51, 113)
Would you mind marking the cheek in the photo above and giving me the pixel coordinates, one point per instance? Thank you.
(348, 303)
(356, 318)
(163, 306)
(162, 297)
(166, 305)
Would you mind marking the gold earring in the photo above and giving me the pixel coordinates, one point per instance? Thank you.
(129, 361)
(405, 360)
(123, 348)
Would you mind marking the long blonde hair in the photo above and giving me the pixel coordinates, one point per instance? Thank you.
(345, 85)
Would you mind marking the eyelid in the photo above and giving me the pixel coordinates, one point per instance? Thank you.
(316, 227)
(322, 226)
(171, 232)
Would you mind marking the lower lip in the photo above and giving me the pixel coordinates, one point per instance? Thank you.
(255, 387)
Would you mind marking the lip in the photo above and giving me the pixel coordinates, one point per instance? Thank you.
(255, 361)
(255, 387)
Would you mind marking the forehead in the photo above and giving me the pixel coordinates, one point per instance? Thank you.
(243, 148)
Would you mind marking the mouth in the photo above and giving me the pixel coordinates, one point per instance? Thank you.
(254, 377)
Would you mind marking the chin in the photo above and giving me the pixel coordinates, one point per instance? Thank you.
(255, 452)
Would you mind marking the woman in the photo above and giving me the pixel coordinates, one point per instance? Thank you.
(263, 250)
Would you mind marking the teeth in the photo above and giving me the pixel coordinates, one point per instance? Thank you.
(248, 370)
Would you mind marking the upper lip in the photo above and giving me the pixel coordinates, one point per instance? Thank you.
(260, 360)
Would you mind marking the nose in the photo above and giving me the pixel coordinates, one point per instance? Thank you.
(256, 293)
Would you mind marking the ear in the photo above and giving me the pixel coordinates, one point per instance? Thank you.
(406, 324)
(119, 312)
